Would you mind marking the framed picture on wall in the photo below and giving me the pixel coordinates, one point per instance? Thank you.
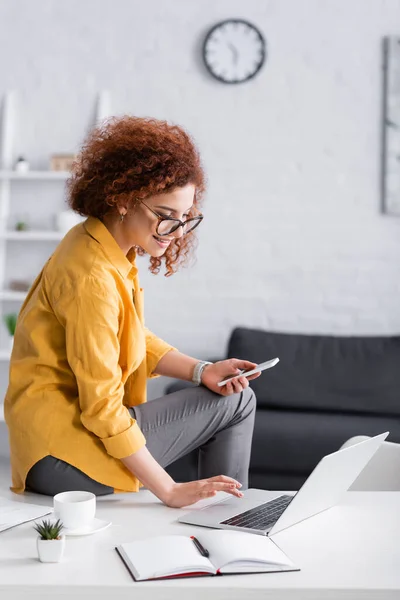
(391, 126)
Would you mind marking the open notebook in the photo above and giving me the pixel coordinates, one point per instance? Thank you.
(179, 556)
(14, 513)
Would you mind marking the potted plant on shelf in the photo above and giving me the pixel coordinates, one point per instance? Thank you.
(10, 321)
(50, 543)
(21, 226)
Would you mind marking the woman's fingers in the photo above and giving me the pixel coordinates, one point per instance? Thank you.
(243, 365)
(233, 387)
(220, 486)
(237, 385)
(207, 493)
(250, 377)
(222, 483)
(228, 389)
(229, 490)
(191, 492)
(222, 478)
(184, 494)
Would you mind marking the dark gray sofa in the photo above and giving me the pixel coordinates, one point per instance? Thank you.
(324, 390)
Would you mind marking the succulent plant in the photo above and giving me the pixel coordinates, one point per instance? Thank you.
(21, 226)
(10, 321)
(48, 530)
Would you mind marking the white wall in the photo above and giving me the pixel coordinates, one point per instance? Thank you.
(293, 238)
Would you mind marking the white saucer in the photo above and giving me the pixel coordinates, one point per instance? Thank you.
(95, 526)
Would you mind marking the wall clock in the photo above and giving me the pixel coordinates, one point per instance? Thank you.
(234, 51)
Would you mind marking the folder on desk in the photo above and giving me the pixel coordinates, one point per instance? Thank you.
(13, 513)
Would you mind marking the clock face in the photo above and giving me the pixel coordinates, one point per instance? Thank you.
(234, 51)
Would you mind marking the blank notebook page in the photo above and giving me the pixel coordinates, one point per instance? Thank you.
(173, 555)
(228, 546)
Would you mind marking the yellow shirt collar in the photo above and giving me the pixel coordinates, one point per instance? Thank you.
(126, 266)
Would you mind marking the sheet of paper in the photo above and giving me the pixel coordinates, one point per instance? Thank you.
(164, 555)
(14, 513)
(239, 547)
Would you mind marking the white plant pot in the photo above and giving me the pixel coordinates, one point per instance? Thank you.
(22, 166)
(50, 550)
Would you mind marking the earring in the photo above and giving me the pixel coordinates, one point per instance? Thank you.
(121, 217)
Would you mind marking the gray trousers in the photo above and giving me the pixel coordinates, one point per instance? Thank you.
(174, 425)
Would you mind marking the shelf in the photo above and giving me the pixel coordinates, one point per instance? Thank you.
(40, 175)
(12, 295)
(32, 235)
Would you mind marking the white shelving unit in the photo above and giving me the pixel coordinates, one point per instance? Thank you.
(31, 235)
(9, 178)
(12, 296)
(41, 175)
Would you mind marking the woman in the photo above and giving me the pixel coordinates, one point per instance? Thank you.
(75, 405)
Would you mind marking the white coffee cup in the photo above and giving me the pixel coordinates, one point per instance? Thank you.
(76, 510)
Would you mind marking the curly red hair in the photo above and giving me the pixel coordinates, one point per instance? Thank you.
(131, 158)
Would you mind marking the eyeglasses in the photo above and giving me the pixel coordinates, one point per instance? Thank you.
(167, 225)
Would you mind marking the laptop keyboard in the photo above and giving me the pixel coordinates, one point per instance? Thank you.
(262, 516)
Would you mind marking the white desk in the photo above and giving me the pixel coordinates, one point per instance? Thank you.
(350, 551)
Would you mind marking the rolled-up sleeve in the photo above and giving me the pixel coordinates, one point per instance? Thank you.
(156, 348)
(91, 320)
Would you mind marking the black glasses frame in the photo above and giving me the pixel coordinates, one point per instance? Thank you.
(178, 222)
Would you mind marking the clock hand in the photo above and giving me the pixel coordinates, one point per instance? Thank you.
(234, 52)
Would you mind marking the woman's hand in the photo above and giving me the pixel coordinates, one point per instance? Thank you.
(223, 369)
(184, 494)
(153, 477)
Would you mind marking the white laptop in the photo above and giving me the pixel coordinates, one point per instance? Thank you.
(266, 513)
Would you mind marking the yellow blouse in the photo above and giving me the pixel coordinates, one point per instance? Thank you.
(81, 356)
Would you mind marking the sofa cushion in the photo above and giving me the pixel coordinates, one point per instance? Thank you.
(293, 442)
(323, 372)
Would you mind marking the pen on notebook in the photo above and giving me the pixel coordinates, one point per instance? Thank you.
(203, 551)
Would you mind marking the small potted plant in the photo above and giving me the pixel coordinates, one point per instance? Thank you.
(21, 226)
(10, 321)
(50, 543)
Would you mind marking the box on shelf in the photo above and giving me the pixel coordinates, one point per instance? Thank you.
(62, 162)
(19, 285)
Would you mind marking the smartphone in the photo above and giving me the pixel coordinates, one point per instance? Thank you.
(257, 369)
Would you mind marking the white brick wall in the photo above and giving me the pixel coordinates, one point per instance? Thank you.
(293, 237)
